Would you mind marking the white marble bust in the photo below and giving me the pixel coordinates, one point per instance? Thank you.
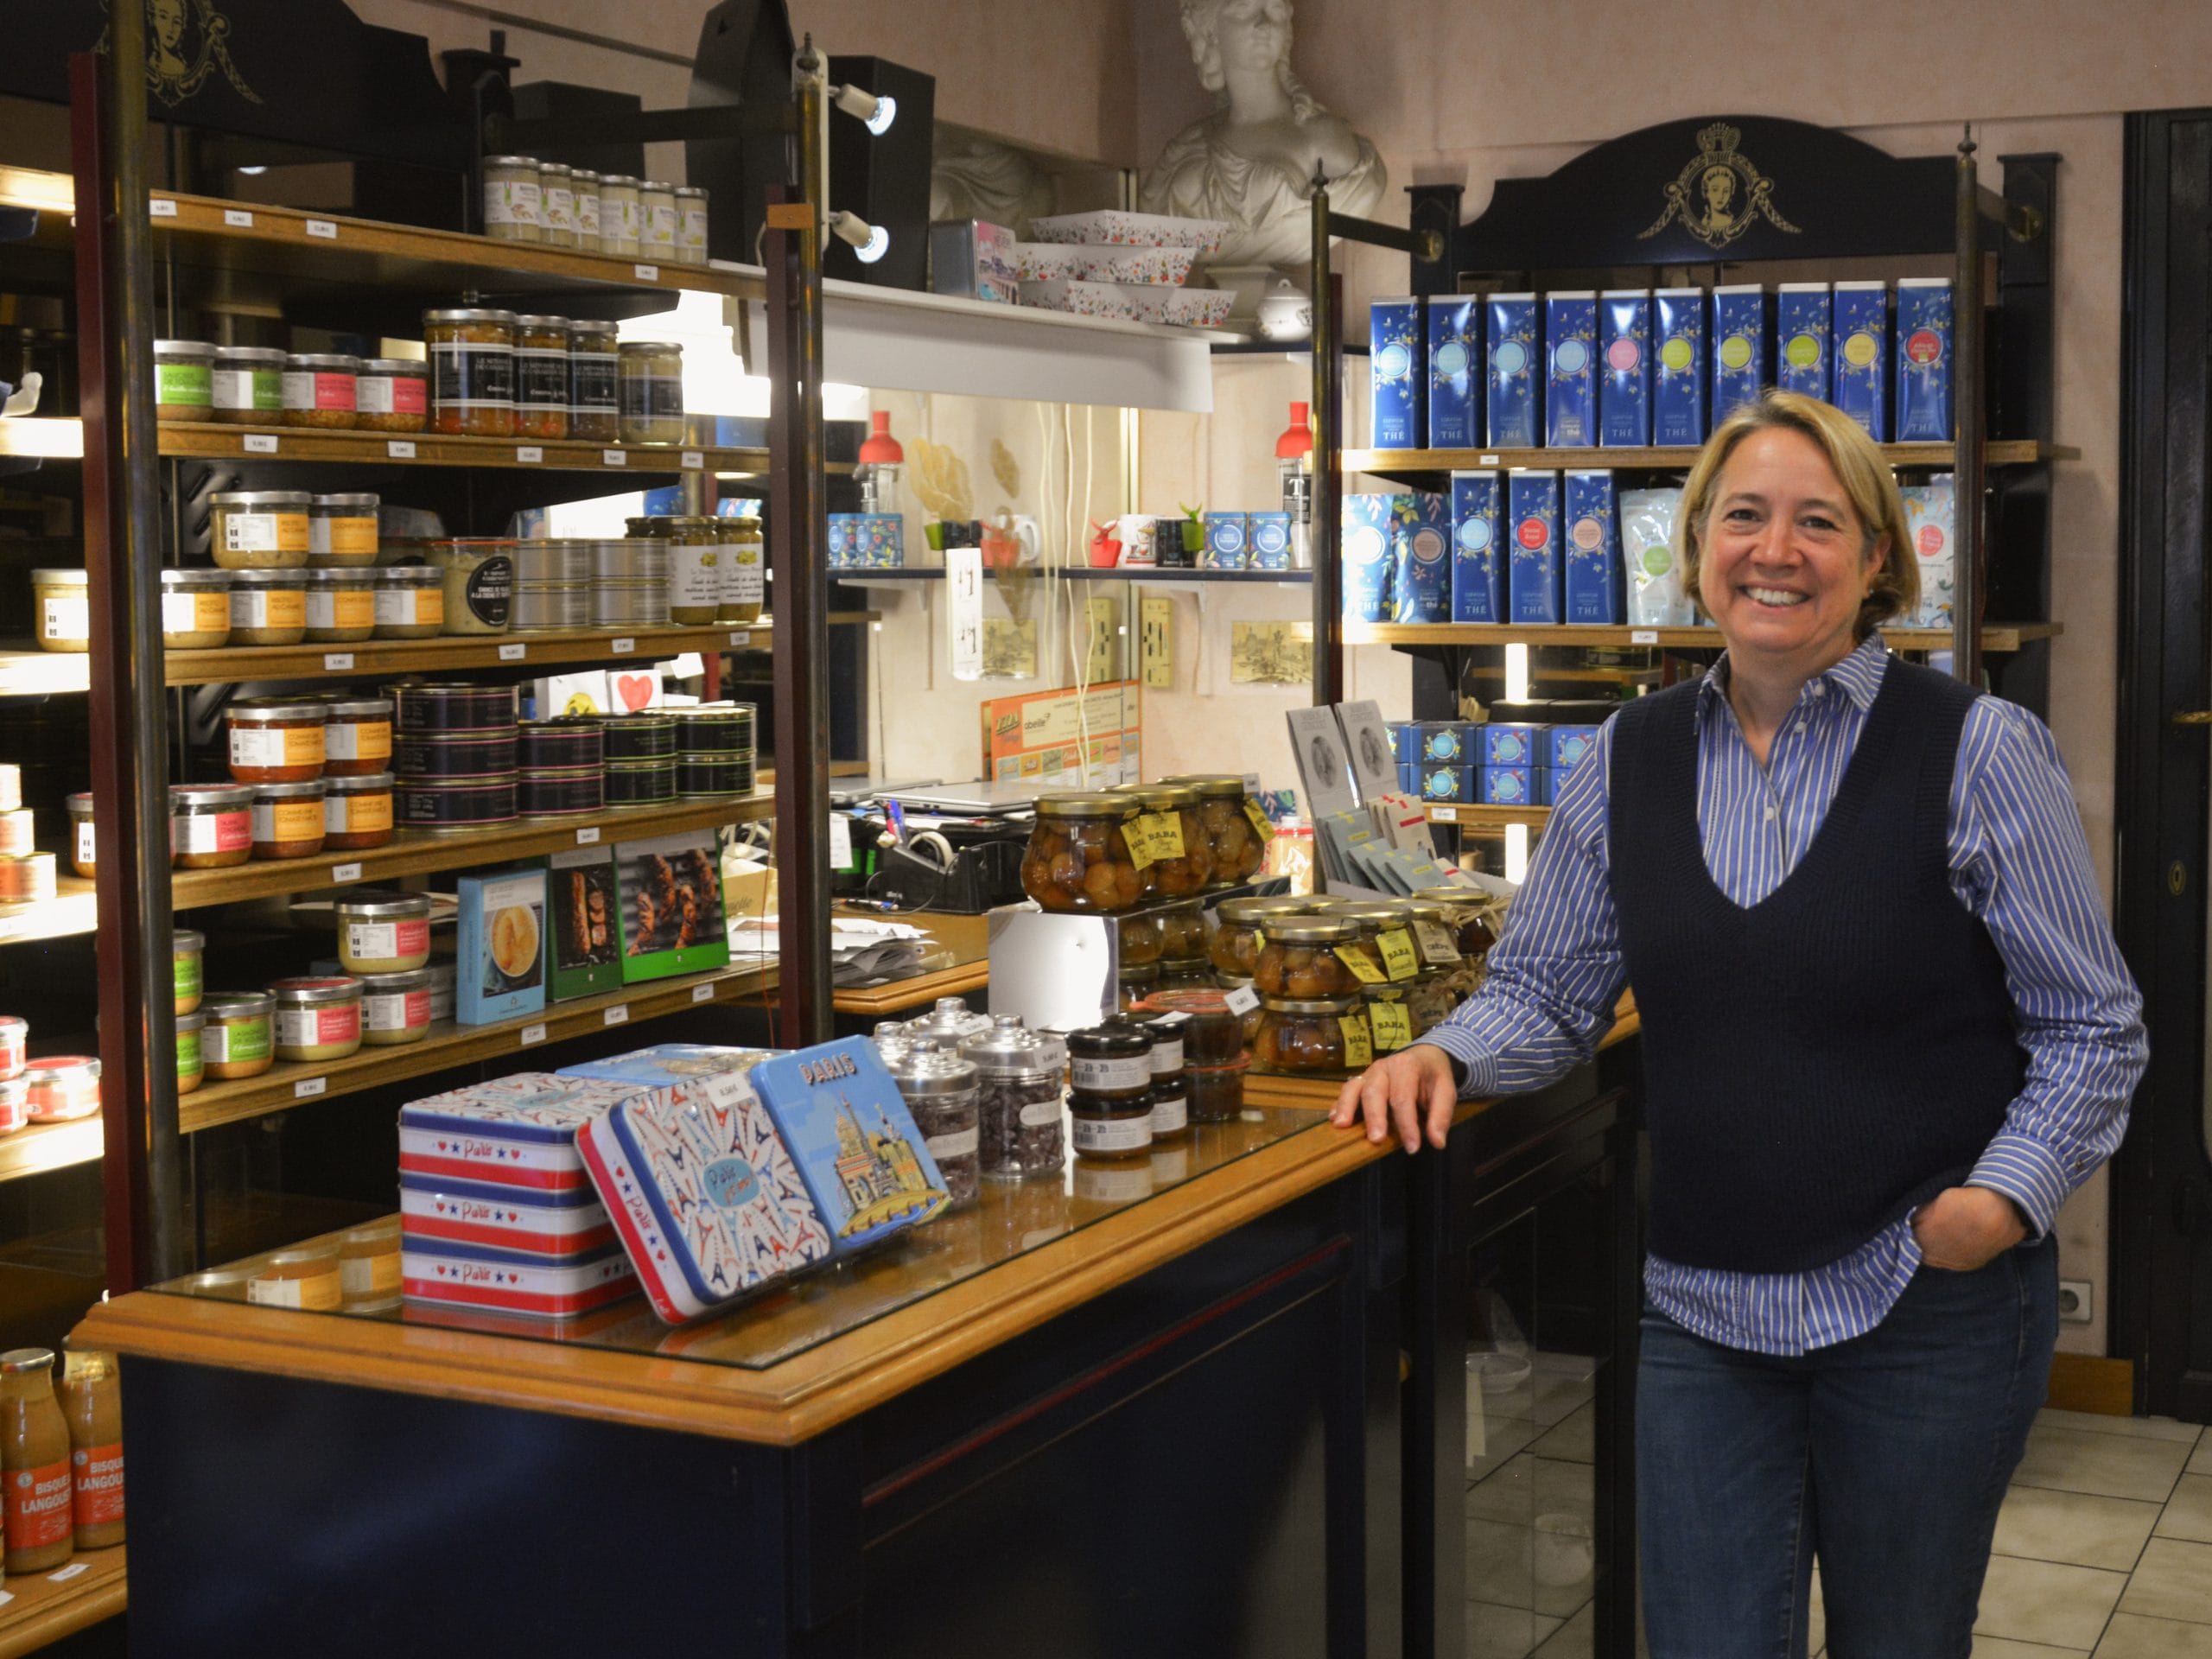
(1252, 160)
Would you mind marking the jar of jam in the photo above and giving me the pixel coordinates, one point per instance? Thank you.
(1213, 1033)
(1077, 858)
(269, 607)
(1236, 830)
(1385, 932)
(1312, 1037)
(1170, 1100)
(395, 1008)
(1465, 912)
(472, 356)
(1109, 1102)
(260, 530)
(317, 1020)
(321, 389)
(191, 1066)
(249, 386)
(342, 530)
(542, 376)
(1165, 838)
(288, 819)
(187, 951)
(382, 932)
(649, 390)
(594, 411)
(63, 1087)
(392, 394)
(196, 609)
(273, 742)
(357, 812)
(411, 603)
(943, 1092)
(1019, 1113)
(695, 577)
(357, 737)
(1308, 956)
(341, 607)
(211, 825)
(1140, 940)
(744, 567)
(238, 1040)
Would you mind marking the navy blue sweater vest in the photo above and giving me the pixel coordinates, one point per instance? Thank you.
(1817, 1064)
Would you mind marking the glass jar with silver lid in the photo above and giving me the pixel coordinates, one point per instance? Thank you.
(514, 199)
(618, 213)
(656, 220)
(557, 203)
(585, 183)
(942, 1089)
(1020, 1116)
(690, 225)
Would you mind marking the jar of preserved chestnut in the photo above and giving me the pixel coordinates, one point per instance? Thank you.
(542, 376)
(1078, 858)
(1311, 1037)
(1233, 826)
(1309, 957)
(321, 389)
(1385, 929)
(1182, 931)
(595, 410)
(273, 742)
(472, 354)
(1240, 930)
(1165, 838)
(1140, 940)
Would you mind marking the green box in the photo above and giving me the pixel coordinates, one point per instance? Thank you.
(583, 924)
(680, 926)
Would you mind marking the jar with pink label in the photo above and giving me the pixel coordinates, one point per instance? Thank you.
(63, 1087)
(395, 1008)
(15, 1040)
(317, 1020)
(321, 389)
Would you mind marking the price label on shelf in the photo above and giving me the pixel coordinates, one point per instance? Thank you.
(623, 646)
(337, 662)
(647, 273)
(740, 640)
(532, 1034)
(587, 836)
(693, 460)
(617, 1015)
(703, 992)
(74, 1570)
(161, 208)
(400, 449)
(529, 454)
(1486, 460)
(614, 457)
(513, 653)
(323, 230)
(341, 873)
(238, 216)
(259, 443)
(308, 1088)
(1443, 814)
(1643, 636)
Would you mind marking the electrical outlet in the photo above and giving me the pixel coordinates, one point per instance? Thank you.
(2075, 1301)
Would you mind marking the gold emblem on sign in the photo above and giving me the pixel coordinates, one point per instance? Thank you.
(1719, 195)
(187, 40)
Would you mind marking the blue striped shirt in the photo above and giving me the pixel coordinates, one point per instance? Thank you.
(2019, 861)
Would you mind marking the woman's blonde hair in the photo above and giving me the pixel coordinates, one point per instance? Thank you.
(1857, 465)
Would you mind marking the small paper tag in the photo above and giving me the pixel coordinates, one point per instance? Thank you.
(1242, 1000)
(532, 1034)
(1140, 843)
(703, 992)
(513, 653)
(1443, 814)
(337, 662)
(1362, 970)
(693, 460)
(259, 443)
(614, 457)
(340, 873)
(238, 216)
(617, 1015)
(1643, 636)
(1162, 834)
(528, 452)
(587, 836)
(1261, 824)
(161, 208)
(1359, 1046)
(74, 1570)
(739, 640)
(726, 1090)
(1392, 1025)
(1437, 948)
(323, 230)
(841, 841)
(307, 1087)
(647, 273)
(1400, 959)
(1487, 460)
(400, 449)
(623, 646)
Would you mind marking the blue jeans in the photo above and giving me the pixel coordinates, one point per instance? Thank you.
(1885, 1456)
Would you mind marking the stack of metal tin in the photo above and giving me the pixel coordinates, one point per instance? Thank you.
(561, 768)
(640, 750)
(629, 585)
(553, 585)
(454, 750)
(715, 750)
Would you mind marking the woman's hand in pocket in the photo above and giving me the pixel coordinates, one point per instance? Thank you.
(1966, 1228)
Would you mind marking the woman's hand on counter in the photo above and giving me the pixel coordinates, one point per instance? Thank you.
(1408, 1089)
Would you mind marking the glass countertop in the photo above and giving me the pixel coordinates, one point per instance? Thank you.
(1010, 1219)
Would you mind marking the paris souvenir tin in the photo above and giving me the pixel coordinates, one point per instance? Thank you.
(863, 1161)
(552, 1224)
(514, 1131)
(512, 1281)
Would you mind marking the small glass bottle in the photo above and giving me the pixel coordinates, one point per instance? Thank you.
(1294, 457)
(40, 1517)
(92, 1396)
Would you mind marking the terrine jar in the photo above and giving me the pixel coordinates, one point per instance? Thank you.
(479, 577)
(81, 855)
(211, 825)
(249, 386)
(63, 1087)
(411, 603)
(317, 1020)
(187, 955)
(238, 1040)
(357, 737)
(357, 812)
(196, 609)
(393, 395)
(395, 1008)
(322, 390)
(64, 601)
(260, 530)
(288, 819)
(273, 742)
(269, 607)
(383, 932)
(341, 607)
(191, 1063)
(184, 381)
(342, 530)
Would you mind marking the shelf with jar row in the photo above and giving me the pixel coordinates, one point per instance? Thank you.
(1427, 465)
(210, 440)
(1995, 636)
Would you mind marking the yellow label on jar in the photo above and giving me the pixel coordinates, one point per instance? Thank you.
(1362, 965)
(342, 607)
(1359, 1048)
(1162, 833)
(1261, 824)
(1140, 853)
(1400, 959)
(269, 607)
(346, 535)
(1393, 1024)
(287, 821)
(357, 815)
(211, 612)
(358, 739)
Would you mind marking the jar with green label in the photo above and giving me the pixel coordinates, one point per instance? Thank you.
(184, 381)
(188, 948)
(249, 386)
(238, 1038)
(191, 1057)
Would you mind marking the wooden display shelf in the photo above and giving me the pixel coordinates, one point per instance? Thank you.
(286, 1084)
(206, 441)
(42, 1147)
(424, 854)
(69, 913)
(60, 438)
(1995, 636)
(1470, 816)
(43, 1607)
(1398, 463)
(303, 662)
(27, 672)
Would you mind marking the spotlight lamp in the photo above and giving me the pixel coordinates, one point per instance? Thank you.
(875, 111)
(869, 242)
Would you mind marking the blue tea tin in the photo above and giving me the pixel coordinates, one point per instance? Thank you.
(1534, 579)
(1367, 527)
(1862, 355)
(1268, 540)
(1624, 349)
(1594, 550)
(1478, 559)
(1739, 346)
(1513, 786)
(1923, 365)
(1409, 778)
(1567, 746)
(1421, 549)
(1447, 782)
(1805, 331)
(1445, 742)
(1571, 358)
(1510, 743)
(1678, 366)
(1398, 371)
(1510, 371)
(1228, 545)
(1455, 372)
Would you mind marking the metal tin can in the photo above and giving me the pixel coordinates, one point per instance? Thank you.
(451, 708)
(430, 758)
(569, 793)
(716, 728)
(640, 782)
(641, 737)
(703, 774)
(555, 745)
(442, 807)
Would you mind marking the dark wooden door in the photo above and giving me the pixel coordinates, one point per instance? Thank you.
(2162, 1202)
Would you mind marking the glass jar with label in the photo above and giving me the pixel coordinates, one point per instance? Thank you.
(1231, 822)
(1109, 1095)
(695, 580)
(269, 607)
(395, 1008)
(472, 354)
(273, 741)
(1466, 912)
(942, 1091)
(1399, 1014)
(1139, 940)
(392, 394)
(1171, 1112)
(307, 1279)
(557, 203)
(1311, 1037)
(1134, 982)
(1213, 1035)
(288, 819)
(92, 1404)
(1077, 857)
(357, 812)
(81, 855)
(211, 825)
(585, 183)
(238, 1040)
(410, 601)
(1182, 931)
(35, 1453)
(648, 389)
(690, 225)
(187, 955)
(1186, 974)
(657, 221)
(1304, 957)
(317, 1018)
(594, 411)
(260, 530)
(368, 1263)
(249, 386)
(63, 1088)
(383, 932)
(1165, 837)
(322, 390)
(357, 737)
(184, 381)
(745, 569)
(191, 1067)
(64, 602)
(196, 609)
(1020, 1116)
(514, 199)
(1385, 929)
(542, 376)
(341, 607)
(480, 578)
(618, 213)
